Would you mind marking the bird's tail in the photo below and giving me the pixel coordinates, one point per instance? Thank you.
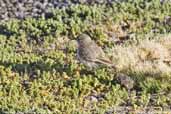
(106, 62)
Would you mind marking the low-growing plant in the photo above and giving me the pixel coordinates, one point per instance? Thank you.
(40, 73)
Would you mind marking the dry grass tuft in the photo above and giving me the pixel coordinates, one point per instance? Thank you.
(149, 56)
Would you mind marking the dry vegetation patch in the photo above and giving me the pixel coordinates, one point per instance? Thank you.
(152, 56)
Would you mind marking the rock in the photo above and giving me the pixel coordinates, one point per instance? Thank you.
(167, 20)
(93, 99)
(20, 15)
(125, 81)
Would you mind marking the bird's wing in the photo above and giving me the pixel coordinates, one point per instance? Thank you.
(105, 61)
(87, 52)
(101, 56)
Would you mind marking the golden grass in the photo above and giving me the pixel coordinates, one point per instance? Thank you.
(148, 56)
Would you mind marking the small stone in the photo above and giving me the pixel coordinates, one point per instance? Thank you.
(20, 15)
(167, 20)
(92, 98)
(53, 46)
(48, 14)
(2, 4)
(125, 81)
(39, 5)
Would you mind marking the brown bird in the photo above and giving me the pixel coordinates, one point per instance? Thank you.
(90, 54)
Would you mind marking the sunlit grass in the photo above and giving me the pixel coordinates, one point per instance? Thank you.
(39, 71)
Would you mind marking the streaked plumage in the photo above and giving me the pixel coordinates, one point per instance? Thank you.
(90, 54)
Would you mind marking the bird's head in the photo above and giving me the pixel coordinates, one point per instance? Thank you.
(83, 38)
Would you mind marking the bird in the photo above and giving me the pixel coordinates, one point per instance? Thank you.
(90, 54)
